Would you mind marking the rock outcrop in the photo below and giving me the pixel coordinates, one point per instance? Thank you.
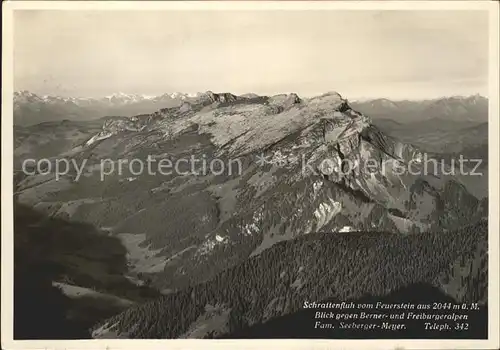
(224, 97)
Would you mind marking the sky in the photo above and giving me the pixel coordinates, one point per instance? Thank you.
(392, 54)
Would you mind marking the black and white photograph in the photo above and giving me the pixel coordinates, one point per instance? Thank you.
(312, 174)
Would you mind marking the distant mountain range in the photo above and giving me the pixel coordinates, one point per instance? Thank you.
(456, 108)
(30, 108)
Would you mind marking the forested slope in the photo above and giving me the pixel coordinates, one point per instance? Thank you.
(314, 267)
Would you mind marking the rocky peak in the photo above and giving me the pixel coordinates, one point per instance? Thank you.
(220, 97)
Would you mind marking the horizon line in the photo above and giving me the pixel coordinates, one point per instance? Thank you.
(351, 99)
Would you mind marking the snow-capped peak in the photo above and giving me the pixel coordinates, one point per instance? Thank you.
(114, 98)
(183, 95)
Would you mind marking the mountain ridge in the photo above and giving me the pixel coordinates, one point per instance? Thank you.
(31, 108)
